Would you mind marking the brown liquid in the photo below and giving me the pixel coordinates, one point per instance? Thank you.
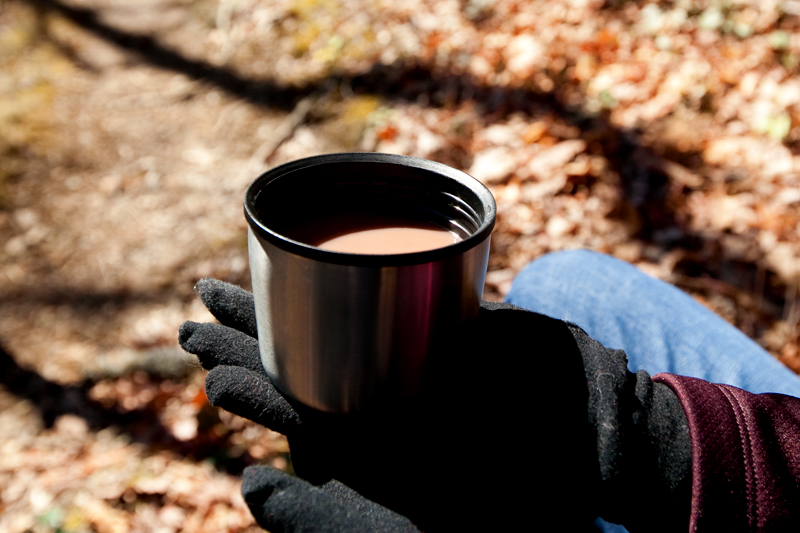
(368, 232)
(391, 240)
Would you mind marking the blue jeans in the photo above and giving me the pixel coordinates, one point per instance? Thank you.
(661, 328)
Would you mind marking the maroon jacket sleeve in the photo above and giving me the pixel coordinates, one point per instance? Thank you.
(745, 457)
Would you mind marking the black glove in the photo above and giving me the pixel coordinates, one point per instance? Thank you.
(505, 432)
(284, 503)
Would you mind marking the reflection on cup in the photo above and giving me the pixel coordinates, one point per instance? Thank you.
(362, 264)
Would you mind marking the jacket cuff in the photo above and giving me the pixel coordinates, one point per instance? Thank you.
(745, 456)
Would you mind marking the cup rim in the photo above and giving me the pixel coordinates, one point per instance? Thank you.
(328, 256)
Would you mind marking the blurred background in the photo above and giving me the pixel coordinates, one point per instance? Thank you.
(664, 133)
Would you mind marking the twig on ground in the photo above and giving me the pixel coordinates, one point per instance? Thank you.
(283, 132)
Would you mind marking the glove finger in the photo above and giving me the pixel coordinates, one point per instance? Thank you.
(231, 305)
(380, 518)
(252, 396)
(216, 345)
(281, 503)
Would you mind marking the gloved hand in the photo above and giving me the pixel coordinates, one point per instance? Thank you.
(525, 420)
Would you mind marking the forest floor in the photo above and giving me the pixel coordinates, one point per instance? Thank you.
(666, 134)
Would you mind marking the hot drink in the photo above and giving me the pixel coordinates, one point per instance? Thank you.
(391, 240)
(370, 233)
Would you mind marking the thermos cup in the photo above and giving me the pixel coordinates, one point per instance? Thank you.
(339, 331)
